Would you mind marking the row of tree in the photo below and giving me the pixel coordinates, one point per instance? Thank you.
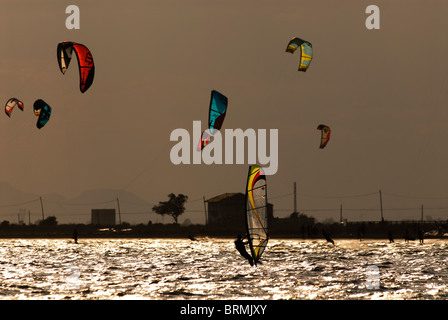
(174, 207)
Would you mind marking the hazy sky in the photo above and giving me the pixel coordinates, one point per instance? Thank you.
(383, 93)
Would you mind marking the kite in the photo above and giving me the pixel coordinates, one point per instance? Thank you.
(306, 52)
(325, 136)
(216, 114)
(11, 104)
(43, 111)
(85, 62)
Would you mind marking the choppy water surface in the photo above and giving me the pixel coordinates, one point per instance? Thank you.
(212, 269)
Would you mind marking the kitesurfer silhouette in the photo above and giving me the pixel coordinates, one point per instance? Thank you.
(75, 236)
(406, 236)
(420, 235)
(240, 246)
(390, 236)
(327, 237)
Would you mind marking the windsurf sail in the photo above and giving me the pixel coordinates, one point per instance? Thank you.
(256, 212)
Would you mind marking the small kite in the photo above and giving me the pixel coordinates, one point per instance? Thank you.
(11, 104)
(43, 111)
(85, 62)
(306, 52)
(325, 136)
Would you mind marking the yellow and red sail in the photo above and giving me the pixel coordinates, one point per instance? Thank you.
(256, 211)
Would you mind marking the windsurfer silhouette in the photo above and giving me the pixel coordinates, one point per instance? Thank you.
(240, 246)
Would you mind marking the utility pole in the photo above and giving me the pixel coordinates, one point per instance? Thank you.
(205, 211)
(381, 206)
(295, 198)
(422, 215)
(119, 211)
(340, 214)
(42, 208)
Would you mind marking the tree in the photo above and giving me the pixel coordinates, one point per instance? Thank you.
(5, 223)
(50, 221)
(174, 207)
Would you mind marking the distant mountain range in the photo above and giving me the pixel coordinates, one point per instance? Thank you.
(16, 204)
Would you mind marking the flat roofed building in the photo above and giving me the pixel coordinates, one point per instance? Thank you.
(229, 208)
(103, 217)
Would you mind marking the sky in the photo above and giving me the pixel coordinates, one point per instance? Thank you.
(382, 92)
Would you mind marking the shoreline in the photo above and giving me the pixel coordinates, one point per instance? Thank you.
(176, 231)
(203, 238)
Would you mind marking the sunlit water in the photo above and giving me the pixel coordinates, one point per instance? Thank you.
(211, 269)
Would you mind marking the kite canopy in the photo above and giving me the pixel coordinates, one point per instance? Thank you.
(11, 104)
(217, 110)
(216, 115)
(256, 211)
(43, 111)
(85, 62)
(306, 52)
(325, 135)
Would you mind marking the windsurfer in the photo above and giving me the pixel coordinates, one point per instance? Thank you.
(240, 246)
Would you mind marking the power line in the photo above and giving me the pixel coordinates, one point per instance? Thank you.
(414, 197)
(337, 197)
(80, 204)
(280, 196)
(19, 203)
(366, 209)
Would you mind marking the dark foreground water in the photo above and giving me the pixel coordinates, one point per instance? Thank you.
(211, 269)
